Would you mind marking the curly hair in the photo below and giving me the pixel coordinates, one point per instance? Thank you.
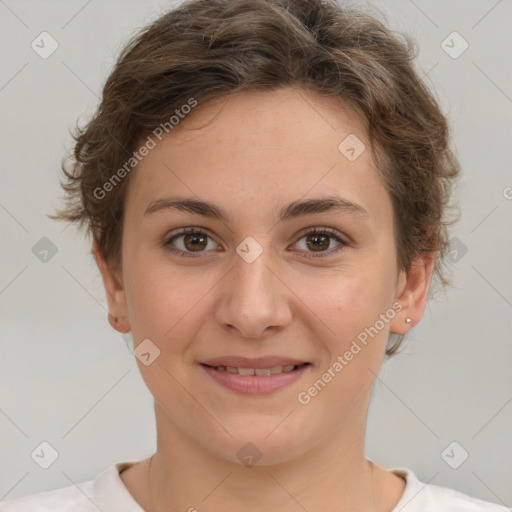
(205, 49)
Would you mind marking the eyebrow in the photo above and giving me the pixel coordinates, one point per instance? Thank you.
(290, 211)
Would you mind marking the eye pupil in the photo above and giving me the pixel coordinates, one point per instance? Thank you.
(198, 241)
(319, 241)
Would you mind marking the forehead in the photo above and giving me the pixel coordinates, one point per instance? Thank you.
(262, 149)
(299, 119)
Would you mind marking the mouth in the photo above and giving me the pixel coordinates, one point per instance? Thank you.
(256, 381)
(274, 370)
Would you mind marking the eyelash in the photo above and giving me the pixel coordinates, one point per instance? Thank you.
(316, 230)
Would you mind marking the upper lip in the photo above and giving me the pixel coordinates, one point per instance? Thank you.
(257, 362)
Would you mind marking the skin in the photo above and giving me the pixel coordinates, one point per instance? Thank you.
(252, 154)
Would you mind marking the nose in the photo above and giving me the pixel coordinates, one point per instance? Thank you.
(254, 301)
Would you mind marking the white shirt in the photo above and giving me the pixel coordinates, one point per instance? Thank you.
(107, 492)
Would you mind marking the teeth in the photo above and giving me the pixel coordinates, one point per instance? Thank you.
(256, 371)
(246, 371)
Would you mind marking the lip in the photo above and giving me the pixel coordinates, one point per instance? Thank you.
(256, 363)
(256, 384)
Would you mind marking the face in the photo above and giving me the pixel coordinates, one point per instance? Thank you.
(256, 275)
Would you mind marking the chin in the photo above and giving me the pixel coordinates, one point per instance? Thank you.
(255, 444)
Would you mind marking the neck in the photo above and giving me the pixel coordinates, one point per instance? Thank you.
(332, 475)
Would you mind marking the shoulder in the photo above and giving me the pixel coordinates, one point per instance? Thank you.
(421, 497)
(105, 492)
(57, 500)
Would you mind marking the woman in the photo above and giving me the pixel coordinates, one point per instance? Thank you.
(266, 184)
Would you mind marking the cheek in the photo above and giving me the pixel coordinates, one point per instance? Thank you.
(164, 309)
(158, 305)
(168, 305)
(349, 300)
(348, 307)
(354, 347)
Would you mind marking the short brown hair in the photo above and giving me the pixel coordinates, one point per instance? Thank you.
(205, 49)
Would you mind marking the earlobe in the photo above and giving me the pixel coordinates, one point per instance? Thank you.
(118, 325)
(114, 291)
(412, 293)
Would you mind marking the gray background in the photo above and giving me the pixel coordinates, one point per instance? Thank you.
(67, 378)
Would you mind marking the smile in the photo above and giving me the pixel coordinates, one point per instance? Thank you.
(259, 381)
(258, 371)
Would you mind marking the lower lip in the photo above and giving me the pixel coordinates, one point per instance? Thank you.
(255, 384)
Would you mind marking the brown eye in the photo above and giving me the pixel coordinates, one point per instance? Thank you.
(195, 242)
(190, 242)
(320, 242)
(316, 243)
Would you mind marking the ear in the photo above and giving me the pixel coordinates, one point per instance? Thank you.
(412, 293)
(114, 290)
